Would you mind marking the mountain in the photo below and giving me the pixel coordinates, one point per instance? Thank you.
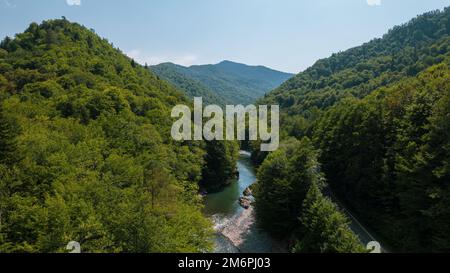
(86, 150)
(234, 83)
(378, 118)
(191, 87)
(403, 52)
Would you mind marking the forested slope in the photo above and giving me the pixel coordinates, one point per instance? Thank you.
(404, 51)
(388, 157)
(378, 118)
(86, 153)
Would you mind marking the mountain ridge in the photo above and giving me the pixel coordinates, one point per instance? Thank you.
(89, 127)
(378, 117)
(401, 44)
(235, 83)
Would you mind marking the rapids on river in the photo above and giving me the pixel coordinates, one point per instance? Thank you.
(236, 227)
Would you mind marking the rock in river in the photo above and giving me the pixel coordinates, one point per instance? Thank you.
(248, 192)
(245, 202)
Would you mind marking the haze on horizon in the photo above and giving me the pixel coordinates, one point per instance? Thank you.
(287, 35)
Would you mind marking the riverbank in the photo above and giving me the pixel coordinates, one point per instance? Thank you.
(236, 227)
(243, 232)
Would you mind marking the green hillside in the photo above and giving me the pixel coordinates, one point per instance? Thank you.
(378, 118)
(233, 83)
(387, 156)
(191, 87)
(86, 153)
(403, 52)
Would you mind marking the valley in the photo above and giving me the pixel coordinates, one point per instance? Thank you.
(87, 152)
(236, 227)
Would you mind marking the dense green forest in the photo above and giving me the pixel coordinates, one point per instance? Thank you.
(290, 201)
(403, 52)
(378, 119)
(388, 157)
(86, 153)
(223, 83)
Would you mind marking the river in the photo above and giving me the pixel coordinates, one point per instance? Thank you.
(236, 228)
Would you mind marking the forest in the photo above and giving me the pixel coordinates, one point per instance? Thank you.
(86, 153)
(373, 123)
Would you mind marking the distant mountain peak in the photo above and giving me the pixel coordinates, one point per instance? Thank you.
(232, 63)
(235, 82)
(228, 62)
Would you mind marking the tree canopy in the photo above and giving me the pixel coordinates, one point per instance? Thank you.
(86, 153)
(378, 118)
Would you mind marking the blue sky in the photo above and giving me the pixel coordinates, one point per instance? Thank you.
(287, 35)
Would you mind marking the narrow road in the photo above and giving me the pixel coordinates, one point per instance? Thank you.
(356, 226)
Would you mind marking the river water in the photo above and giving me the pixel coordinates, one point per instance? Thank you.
(236, 228)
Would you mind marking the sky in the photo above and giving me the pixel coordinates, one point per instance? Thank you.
(287, 35)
